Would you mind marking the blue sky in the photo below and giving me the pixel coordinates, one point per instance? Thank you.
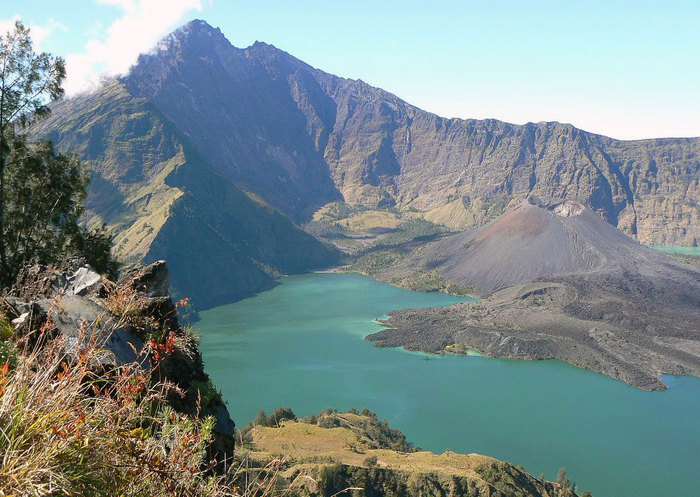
(624, 69)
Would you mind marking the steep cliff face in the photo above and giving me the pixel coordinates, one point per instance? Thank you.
(239, 116)
(382, 150)
(155, 192)
(197, 115)
(300, 137)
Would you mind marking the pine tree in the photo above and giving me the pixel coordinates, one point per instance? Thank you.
(28, 80)
(42, 193)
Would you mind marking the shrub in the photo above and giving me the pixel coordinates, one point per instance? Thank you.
(205, 392)
(6, 329)
(70, 428)
(272, 421)
(378, 432)
(8, 354)
(328, 421)
(562, 479)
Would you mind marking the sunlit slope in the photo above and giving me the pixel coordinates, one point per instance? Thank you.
(301, 138)
(163, 201)
(348, 450)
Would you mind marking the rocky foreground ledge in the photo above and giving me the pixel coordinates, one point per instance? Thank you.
(74, 303)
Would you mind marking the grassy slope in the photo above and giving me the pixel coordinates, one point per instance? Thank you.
(235, 243)
(162, 201)
(130, 152)
(309, 448)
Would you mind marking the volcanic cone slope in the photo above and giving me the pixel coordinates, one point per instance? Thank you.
(561, 283)
(530, 242)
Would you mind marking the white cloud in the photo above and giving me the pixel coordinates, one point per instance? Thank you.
(7, 24)
(39, 33)
(141, 24)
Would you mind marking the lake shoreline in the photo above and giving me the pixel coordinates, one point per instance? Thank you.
(407, 329)
(534, 322)
(302, 345)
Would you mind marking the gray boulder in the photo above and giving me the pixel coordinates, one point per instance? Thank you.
(153, 280)
(83, 279)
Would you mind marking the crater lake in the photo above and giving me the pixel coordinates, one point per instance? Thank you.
(302, 345)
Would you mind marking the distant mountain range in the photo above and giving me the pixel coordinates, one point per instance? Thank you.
(212, 156)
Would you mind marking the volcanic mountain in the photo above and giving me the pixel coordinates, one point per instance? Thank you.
(202, 147)
(567, 285)
(161, 199)
(530, 242)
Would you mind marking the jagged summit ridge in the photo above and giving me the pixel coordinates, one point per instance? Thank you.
(194, 40)
(378, 150)
(195, 29)
(202, 118)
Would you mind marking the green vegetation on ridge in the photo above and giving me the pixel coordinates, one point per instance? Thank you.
(41, 192)
(354, 454)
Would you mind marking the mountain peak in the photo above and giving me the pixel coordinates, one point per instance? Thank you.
(192, 41)
(198, 27)
(197, 31)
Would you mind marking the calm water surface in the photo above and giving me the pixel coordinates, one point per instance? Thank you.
(677, 249)
(301, 345)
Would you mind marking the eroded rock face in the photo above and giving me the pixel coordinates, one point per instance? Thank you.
(38, 281)
(72, 277)
(159, 191)
(153, 280)
(300, 138)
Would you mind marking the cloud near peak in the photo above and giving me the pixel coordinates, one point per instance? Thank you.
(140, 25)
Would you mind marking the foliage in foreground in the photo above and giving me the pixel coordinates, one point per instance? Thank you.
(44, 200)
(42, 193)
(69, 429)
(69, 425)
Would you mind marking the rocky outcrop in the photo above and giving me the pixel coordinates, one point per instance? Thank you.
(74, 303)
(153, 280)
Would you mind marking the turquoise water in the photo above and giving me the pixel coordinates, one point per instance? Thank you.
(301, 345)
(677, 249)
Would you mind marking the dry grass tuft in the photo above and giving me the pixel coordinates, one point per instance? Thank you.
(69, 426)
